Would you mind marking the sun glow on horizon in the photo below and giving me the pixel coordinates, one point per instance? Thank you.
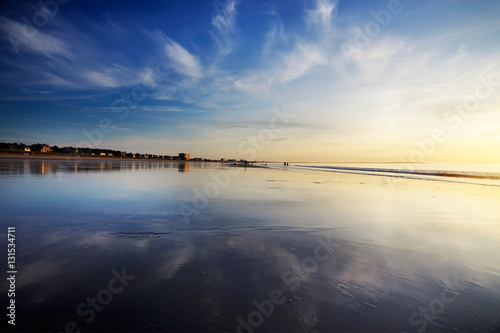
(365, 81)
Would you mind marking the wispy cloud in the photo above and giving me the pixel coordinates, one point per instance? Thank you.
(239, 61)
(225, 24)
(101, 79)
(25, 39)
(275, 34)
(322, 15)
(301, 61)
(50, 121)
(52, 58)
(183, 62)
(162, 108)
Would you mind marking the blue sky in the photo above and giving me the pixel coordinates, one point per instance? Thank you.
(362, 80)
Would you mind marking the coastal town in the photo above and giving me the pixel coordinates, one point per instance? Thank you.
(43, 149)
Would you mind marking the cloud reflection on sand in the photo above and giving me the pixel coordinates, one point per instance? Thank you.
(394, 252)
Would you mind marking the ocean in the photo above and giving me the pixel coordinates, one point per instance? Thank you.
(480, 174)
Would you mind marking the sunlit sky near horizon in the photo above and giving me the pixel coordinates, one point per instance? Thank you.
(361, 80)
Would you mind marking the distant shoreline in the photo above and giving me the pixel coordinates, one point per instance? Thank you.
(48, 156)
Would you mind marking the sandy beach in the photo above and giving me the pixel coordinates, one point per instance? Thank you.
(250, 166)
(215, 248)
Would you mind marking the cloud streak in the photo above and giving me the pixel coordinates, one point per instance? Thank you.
(218, 72)
(183, 62)
(322, 15)
(224, 23)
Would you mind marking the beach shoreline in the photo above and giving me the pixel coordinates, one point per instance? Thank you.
(14, 156)
(50, 157)
(220, 242)
(45, 156)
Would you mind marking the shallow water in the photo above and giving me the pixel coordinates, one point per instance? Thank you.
(480, 174)
(214, 248)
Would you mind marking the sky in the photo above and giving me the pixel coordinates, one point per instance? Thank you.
(295, 80)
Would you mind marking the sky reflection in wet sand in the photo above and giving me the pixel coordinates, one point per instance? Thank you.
(390, 253)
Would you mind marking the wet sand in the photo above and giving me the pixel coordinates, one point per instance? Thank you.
(214, 248)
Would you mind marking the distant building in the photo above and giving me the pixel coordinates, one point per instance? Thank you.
(184, 156)
(46, 149)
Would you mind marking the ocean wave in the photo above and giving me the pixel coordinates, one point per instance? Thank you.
(460, 176)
